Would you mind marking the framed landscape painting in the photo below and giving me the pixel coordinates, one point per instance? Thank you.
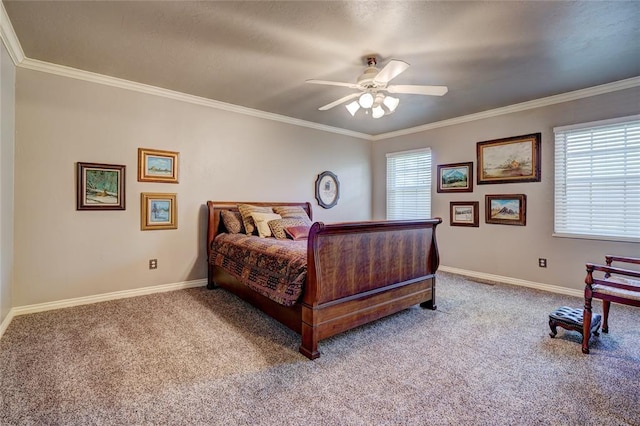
(509, 160)
(158, 211)
(464, 213)
(157, 166)
(100, 186)
(456, 177)
(506, 209)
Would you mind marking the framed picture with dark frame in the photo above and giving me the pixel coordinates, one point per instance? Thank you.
(464, 213)
(506, 209)
(100, 186)
(509, 160)
(155, 165)
(455, 177)
(158, 211)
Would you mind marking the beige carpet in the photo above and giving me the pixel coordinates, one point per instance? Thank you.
(202, 356)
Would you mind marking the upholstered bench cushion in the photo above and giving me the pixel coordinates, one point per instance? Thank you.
(573, 317)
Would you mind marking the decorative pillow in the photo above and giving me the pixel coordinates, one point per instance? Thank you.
(278, 226)
(262, 223)
(232, 221)
(291, 212)
(300, 232)
(245, 211)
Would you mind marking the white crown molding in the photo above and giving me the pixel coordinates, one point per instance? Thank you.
(9, 37)
(64, 71)
(537, 103)
(514, 281)
(12, 43)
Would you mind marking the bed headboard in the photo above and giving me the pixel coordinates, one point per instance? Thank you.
(216, 226)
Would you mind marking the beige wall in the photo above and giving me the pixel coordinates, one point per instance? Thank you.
(511, 251)
(62, 253)
(7, 130)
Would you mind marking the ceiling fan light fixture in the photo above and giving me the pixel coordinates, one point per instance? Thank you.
(353, 107)
(366, 100)
(377, 111)
(391, 103)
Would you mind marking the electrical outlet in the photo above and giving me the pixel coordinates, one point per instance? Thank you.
(153, 264)
(542, 262)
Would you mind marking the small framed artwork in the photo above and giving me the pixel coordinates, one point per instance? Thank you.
(464, 213)
(509, 160)
(457, 177)
(100, 186)
(327, 190)
(506, 209)
(158, 211)
(157, 166)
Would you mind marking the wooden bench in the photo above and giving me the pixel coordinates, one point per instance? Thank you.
(609, 284)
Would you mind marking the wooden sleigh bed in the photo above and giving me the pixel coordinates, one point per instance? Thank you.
(357, 272)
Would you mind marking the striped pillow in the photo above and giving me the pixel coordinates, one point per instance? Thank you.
(291, 212)
(245, 211)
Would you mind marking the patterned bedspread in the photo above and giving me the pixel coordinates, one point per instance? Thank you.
(274, 268)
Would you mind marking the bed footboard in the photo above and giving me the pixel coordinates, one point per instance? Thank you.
(359, 272)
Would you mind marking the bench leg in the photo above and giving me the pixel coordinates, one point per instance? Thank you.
(553, 327)
(605, 314)
(586, 325)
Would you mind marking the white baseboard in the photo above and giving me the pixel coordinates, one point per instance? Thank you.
(67, 303)
(514, 281)
(5, 323)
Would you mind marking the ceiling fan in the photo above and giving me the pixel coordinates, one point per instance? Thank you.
(372, 83)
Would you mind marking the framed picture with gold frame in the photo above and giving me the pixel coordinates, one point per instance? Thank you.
(509, 160)
(157, 166)
(158, 211)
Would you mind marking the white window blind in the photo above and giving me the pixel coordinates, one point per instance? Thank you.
(597, 180)
(409, 184)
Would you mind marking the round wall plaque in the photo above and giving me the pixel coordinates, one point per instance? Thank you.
(327, 189)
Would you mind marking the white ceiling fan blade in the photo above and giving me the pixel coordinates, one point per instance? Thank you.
(334, 83)
(339, 101)
(417, 90)
(390, 71)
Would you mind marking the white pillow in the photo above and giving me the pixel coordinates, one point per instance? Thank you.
(262, 222)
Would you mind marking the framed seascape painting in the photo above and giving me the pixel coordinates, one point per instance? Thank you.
(506, 209)
(456, 177)
(158, 211)
(509, 160)
(157, 166)
(464, 213)
(100, 186)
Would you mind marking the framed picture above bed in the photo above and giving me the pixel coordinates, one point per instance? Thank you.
(100, 186)
(327, 190)
(158, 211)
(157, 166)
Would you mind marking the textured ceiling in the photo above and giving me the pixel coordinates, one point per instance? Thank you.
(259, 54)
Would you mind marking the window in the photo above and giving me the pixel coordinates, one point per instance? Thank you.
(409, 185)
(597, 180)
